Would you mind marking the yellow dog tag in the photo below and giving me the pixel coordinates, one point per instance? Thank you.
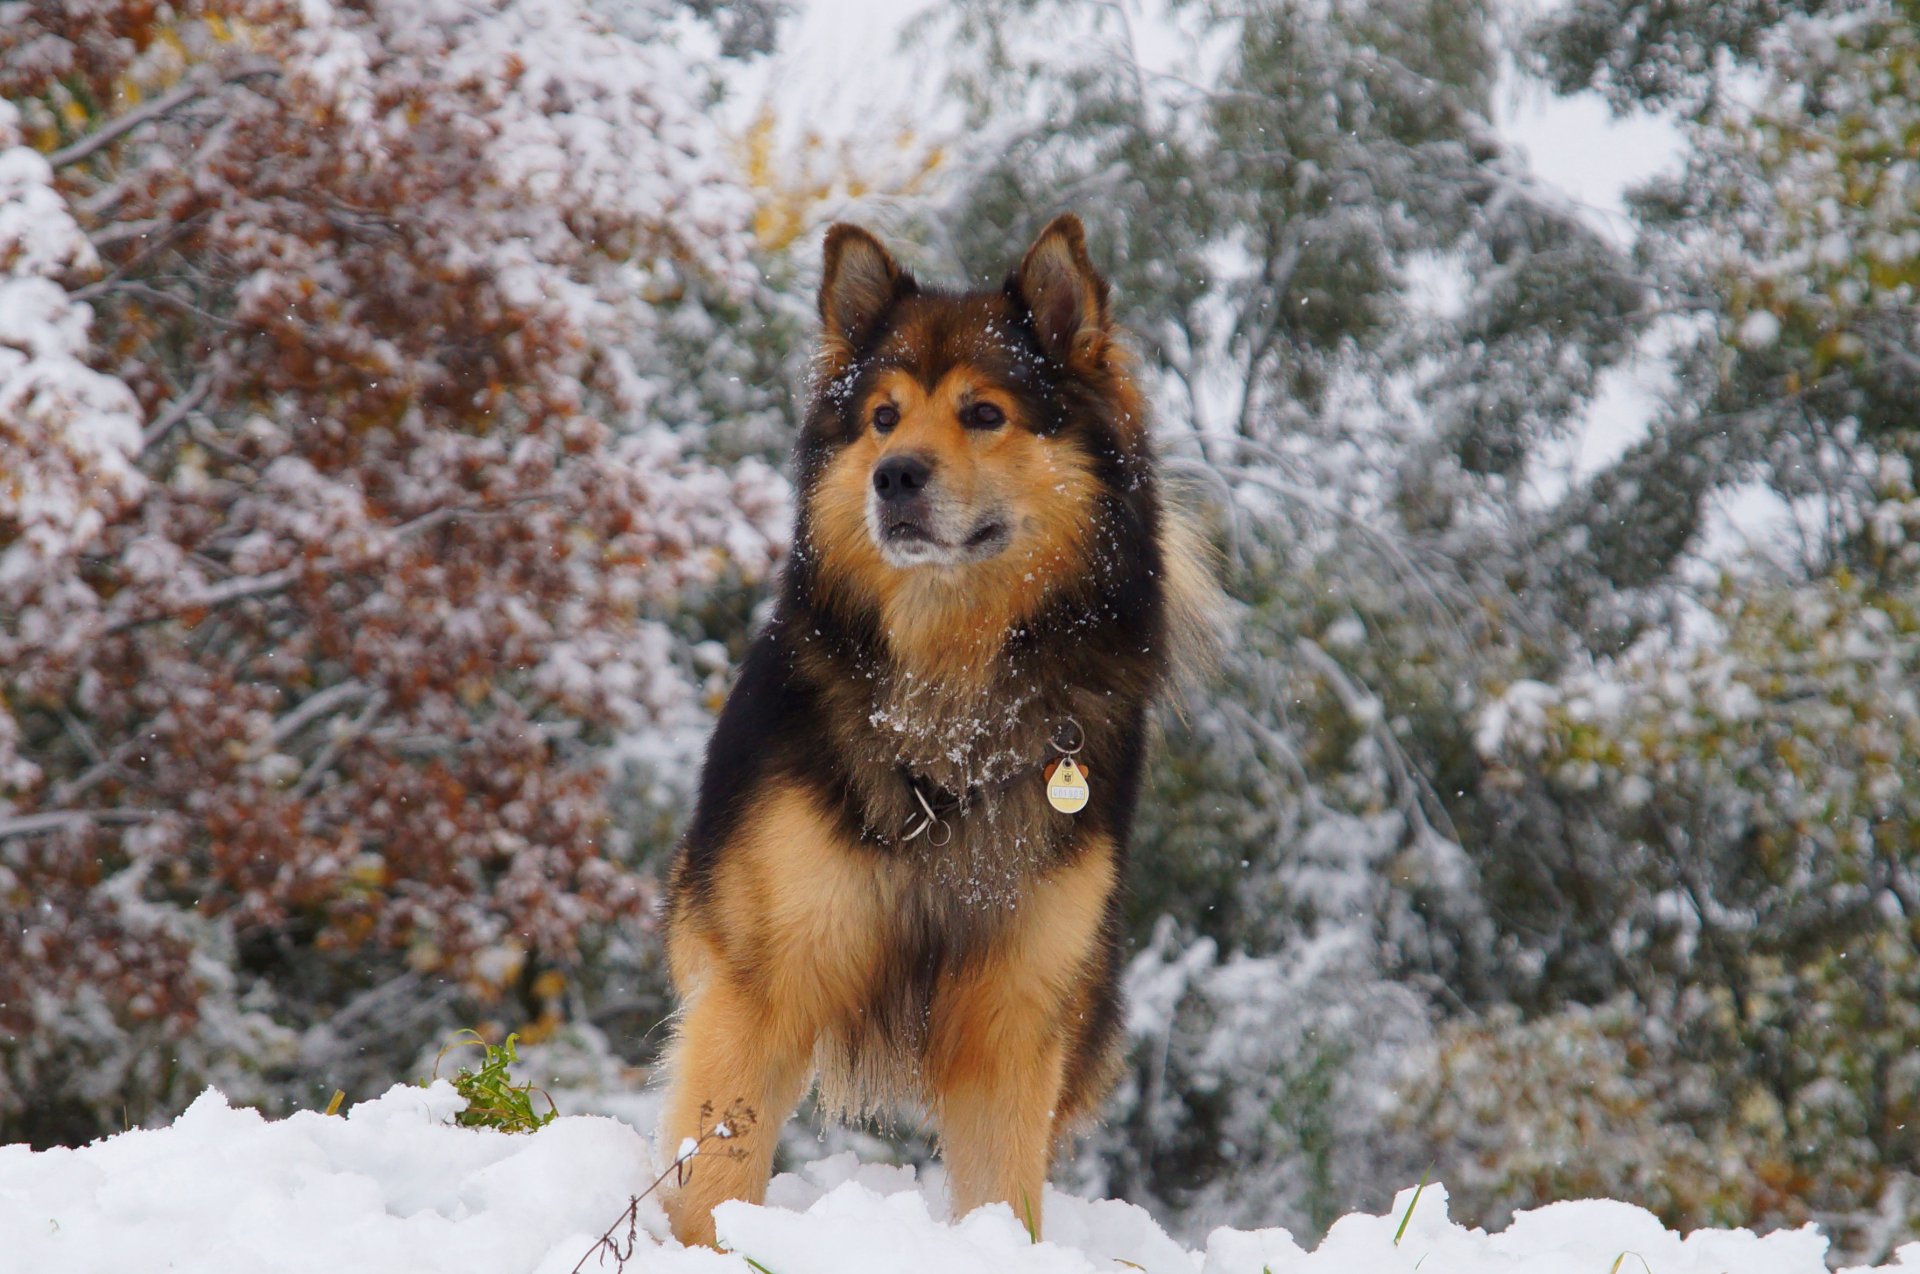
(1067, 787)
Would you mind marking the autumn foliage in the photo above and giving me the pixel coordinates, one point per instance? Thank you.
(336, 528)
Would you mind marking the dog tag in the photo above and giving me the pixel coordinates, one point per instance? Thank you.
(1067, 787)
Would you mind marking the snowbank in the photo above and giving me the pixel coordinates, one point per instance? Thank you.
(394, 1188)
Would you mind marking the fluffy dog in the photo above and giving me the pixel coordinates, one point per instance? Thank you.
(903, 873)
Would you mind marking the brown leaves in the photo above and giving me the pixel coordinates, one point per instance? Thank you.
(389, 587)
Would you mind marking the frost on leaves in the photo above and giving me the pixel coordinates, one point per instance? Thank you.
(334, 530)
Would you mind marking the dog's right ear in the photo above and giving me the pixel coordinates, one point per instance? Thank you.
(858, 285)
(1065, 294)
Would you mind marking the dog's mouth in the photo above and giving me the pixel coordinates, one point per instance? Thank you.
(909, 540)
(908, 530)
(989, 534)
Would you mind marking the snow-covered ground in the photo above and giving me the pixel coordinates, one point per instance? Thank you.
(394, 1188)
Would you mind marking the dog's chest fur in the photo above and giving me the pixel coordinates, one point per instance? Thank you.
(983, 742)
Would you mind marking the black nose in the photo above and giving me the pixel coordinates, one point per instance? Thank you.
(898, 477)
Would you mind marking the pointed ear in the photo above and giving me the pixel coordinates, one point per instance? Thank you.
(1067, 297)
(859, 283)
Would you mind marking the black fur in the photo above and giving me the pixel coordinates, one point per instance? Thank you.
(1096, 652)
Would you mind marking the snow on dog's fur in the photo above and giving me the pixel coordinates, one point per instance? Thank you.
(875, 887)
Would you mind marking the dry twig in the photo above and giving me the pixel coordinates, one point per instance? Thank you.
(623, 1236)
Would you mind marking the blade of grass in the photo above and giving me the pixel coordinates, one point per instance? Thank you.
(1411, 1205)
(339, 1095)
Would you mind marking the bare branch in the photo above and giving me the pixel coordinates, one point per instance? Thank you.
(81, 736)
(177, 411)
(61, 820)
(160, 296)
(470, 513)
(225, 592)
(338, 744)
(115, 232)
(316, 706)
(105, 767)
(174, 98)
(738, 1118)
(242, 587)
(158, 236)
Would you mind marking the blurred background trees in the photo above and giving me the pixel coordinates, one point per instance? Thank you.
(388, 400)
(332, 582)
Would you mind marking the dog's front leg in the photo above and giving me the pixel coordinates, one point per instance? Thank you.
(734, 1068)
(1001, 1030)
(997, 1063)
(776, 944)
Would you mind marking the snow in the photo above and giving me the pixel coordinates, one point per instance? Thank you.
(1578, 145)
(68, 433)
(393, 1187)
(1759, 330)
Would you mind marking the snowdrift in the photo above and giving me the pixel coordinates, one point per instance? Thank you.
(395, 1188)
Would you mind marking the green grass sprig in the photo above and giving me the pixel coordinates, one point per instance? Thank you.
(1411, 1205)
(493, 1099)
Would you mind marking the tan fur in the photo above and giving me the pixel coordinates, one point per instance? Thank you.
(948, 622)
(1196, 608)
(777, 972)
(785, 949)
(811, 931)
(998, 1053)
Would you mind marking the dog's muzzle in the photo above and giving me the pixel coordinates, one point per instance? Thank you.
(914, 526)
(902, 506)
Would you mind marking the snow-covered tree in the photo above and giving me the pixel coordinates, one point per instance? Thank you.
(1737, 782)
(1753, 786)
(347, 520)
(1368, 327)
(1787, 248)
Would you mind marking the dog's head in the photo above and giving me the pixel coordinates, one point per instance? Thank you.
(964, 441)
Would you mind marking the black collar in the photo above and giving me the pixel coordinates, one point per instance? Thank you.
(935, 808)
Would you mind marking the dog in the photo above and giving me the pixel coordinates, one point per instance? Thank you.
(903, 873)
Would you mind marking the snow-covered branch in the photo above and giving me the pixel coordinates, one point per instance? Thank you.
(192, 89)
(65, 820)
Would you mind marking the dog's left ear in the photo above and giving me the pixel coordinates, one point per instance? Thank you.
(1065, 294)
(859, 283)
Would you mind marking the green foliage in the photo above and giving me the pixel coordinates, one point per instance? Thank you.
(1581, 1103)
(493, 1099)
(1414, 1202)
(1785, 251)
(1479, 737)
(1755, 792)
(1640, 54)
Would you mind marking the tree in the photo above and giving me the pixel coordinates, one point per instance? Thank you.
(1786, 248)
(1370, 327)
(1756, 794)
(352, 535)
(1744, 768)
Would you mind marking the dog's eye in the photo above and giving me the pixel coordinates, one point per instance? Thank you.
(885, 417)
(983, 416)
